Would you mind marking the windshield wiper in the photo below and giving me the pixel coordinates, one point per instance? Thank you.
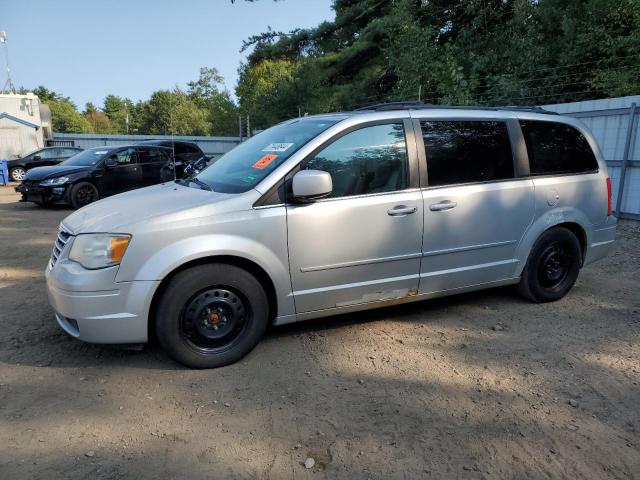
(200, 183)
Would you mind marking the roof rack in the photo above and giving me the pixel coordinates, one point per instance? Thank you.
(414, 105)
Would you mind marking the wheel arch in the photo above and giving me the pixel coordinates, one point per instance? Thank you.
(571, 219)
(256, 270)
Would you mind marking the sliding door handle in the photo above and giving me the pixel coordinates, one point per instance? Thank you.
(401, 211)
(443, 205)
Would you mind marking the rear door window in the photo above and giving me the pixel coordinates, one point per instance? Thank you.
(150, 155)
(466, 151)
(556, 148)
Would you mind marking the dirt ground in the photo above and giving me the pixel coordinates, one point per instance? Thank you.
(481, 385)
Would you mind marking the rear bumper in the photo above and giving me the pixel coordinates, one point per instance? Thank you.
(116, 313)
(601, 241)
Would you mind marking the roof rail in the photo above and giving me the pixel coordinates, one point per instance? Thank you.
(414, 105)
(403, 105)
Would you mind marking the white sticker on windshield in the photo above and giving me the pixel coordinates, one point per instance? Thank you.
(101, 152)
(277, 147)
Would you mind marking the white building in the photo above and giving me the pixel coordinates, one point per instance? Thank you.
(25, 124)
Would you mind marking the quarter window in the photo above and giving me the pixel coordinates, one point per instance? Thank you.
(557, 148)
(369, 160)
(467, 151)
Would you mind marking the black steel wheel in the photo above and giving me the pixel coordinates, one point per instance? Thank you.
(83, 193)
(552, 267)
(211, 315)
(213, 319)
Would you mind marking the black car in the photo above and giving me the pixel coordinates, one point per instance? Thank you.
(185, 154)
(95, 173)
(40, 158)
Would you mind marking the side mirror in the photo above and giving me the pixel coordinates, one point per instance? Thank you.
(110, 162)
(310, 185)
(37, 157)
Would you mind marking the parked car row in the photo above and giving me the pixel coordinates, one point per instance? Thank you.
(84, 176)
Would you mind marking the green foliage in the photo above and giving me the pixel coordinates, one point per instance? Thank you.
(173, 112)
(66, 119)
(493, 52)
(206, 108)
(209, 94)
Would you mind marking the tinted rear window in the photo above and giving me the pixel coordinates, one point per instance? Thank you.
(557, 148)
(467, 151)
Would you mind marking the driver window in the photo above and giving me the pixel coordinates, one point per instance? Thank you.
(370, 160)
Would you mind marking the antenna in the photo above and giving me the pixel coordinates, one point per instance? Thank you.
(8, 85)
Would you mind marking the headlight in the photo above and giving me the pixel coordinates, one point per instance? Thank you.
(54, 181)
(99, 250)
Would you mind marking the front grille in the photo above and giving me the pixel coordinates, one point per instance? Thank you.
(58, 246)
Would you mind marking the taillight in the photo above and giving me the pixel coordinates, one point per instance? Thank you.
(609, 206)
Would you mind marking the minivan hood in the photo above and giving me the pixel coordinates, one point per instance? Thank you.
(122, 213)
(42, 173)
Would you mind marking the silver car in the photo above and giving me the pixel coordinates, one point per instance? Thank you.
(332, 214)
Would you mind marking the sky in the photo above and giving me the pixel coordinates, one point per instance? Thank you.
(87, 49)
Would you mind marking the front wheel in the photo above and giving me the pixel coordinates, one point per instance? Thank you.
(83, 193)
(17, 174)
(211, 315)
(553, 266)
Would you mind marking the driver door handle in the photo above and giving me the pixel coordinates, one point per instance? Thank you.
(401, 211)
(443, 205)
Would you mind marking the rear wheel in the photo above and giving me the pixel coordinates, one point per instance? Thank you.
(83, 193)
(17, 174)
(553, 266)
(211, 315)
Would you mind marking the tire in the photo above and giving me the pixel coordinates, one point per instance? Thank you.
(211, 315)
(83, 193)
(552, 267)
(17, 174)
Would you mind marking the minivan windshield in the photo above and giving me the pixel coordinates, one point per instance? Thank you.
(87, 158)
(247, 164)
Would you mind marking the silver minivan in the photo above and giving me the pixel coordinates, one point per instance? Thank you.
(331, 214)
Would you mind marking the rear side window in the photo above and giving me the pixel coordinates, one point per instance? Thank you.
(557, 148)
(467, 151)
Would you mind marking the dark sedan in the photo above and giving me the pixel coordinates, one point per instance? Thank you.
(43, 157)
(95, 173)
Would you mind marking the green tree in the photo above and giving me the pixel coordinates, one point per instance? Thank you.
(173, 112)
(493, 52)
(121, 112)
(209, 94)
(66, 119)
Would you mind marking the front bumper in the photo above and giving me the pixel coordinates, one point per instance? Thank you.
(36, 193)
(91, 306)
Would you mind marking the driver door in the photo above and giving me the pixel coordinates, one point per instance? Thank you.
(126, 175)
(363, 243)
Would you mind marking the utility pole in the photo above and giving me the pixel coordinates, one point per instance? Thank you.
(248, 125)
(8, 85)
(419, 92)
(240, 127)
